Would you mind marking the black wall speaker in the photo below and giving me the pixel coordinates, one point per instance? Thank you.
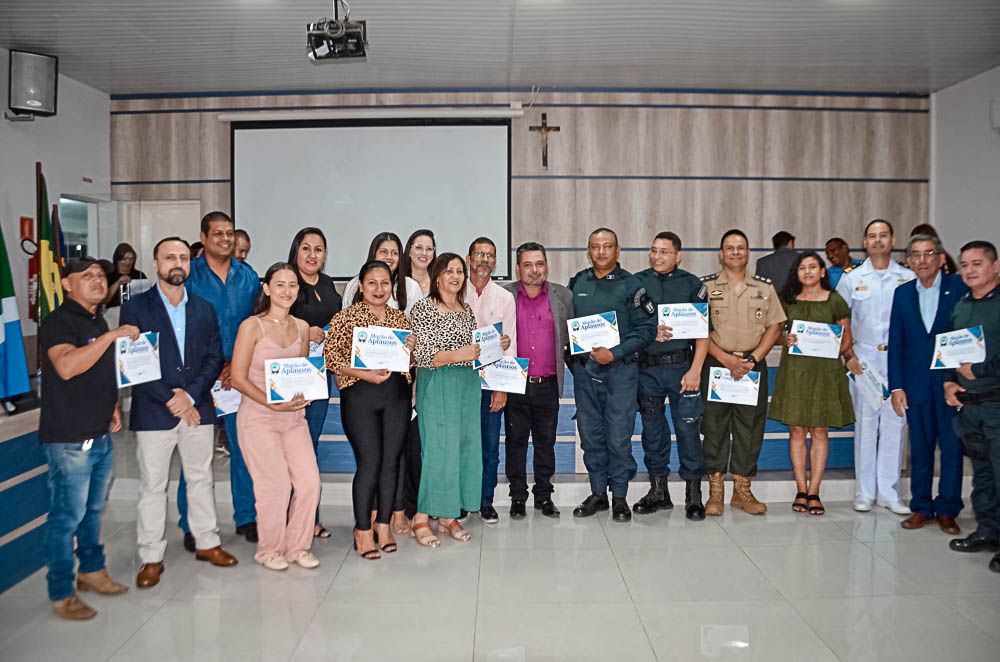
(32, 86)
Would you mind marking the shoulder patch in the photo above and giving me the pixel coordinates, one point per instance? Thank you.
(703, 293)
(761, 278)
(849, 269)
(709, 277)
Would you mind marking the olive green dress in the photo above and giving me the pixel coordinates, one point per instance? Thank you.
(811, 391)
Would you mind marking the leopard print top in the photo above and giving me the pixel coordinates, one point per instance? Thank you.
(439, 331)
(339, 338)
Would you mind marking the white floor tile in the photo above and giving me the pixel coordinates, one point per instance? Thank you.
(983, 610)
(933, 565)
(518, 576)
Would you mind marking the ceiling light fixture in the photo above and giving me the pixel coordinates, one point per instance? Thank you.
(336, 40)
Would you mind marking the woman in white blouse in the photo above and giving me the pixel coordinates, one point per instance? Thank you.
(386, 247)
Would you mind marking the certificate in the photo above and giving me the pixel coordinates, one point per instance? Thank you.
(509, 374)
(488, 339)
(723, 388)
(816, 339)
(872, 385)
(226, 402)
(288, 377)
(316, 348)
(139, 361)
(380, 348)
(687, 320)
(957, 347)
(586, 333)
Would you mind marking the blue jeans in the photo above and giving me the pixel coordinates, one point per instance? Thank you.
(315, 417)
(655, 382)
(490, 423)
(244, 510)
(78, 487)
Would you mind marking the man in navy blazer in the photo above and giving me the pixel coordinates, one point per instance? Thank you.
(177, 410)
(921, 309)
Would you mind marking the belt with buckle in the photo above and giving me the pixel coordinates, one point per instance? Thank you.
(877, 348)
(541, 380)
(680, 356)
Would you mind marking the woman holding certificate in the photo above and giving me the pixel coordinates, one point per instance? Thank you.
(275, 437)
(317, 302)
(448, 403)
(811, 392)
(375, 406)
(386, 248)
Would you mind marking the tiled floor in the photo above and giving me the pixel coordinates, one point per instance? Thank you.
(846, 586)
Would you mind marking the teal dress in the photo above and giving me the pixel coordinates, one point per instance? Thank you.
(811, 391)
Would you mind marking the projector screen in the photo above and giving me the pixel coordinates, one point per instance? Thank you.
(357, 178)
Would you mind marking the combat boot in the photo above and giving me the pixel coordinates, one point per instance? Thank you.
(744, 499)
(716, 494)
(658, 498)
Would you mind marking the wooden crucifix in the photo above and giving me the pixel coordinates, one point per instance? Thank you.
(544, 129)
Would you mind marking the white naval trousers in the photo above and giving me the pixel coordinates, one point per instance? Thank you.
(153, 451)
(878, 437)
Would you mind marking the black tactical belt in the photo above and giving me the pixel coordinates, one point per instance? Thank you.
(984, 397)
(668, 358)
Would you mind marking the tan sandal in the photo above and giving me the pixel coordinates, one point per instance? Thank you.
(400, 523)
(454, 530)
(429, 540)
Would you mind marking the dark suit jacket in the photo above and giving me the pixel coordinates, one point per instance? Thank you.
(910, 345)
(196, 374)
(561, 303)
(776, 266)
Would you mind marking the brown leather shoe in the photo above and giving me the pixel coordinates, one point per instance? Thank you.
(73, 609)
(216, 556)
(149, 575)
(917, 521)
(100, 582)
(948, 525)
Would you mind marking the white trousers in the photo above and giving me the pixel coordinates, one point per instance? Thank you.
(154, 449)
(878, 438)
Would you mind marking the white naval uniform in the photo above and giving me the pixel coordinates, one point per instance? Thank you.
(878, 434)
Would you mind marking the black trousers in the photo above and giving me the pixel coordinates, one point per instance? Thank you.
(375, 418)
(410, 465)
(535, 413)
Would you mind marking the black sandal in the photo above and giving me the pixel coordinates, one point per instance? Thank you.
(800, 507)
(815, 510)
(388, 548)
(322, 533)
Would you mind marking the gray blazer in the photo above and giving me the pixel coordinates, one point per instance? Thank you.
(776, 266)
(561, 304)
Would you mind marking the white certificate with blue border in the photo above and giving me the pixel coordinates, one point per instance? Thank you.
(488, 339)
(723, 388)
(872, 385)
(138, 362)
(586, 333)
(288, 377)
(380, 348)
(954, 348)
(686, 320)
(226, 402)
(509, 374)
(816, 339)
(316, 348)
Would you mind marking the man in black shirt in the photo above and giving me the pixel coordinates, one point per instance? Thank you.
(79, 412)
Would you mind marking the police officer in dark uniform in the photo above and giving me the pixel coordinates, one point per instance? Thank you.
(975, 389)
(605, 380)
(671, 368)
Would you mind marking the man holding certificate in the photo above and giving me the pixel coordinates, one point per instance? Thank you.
(878, 432)
(975, 390)
(175, 411)
(671, 367)
(921, 309)
(492, 305)
(746, 321)
(606, 377)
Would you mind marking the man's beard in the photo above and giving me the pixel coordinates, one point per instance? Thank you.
(176, 277)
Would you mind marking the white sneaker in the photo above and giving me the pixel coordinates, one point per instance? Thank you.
(897, 507)
(275, 563)
(306, 559)
(862, 504)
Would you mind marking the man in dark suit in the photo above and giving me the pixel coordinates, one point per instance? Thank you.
(921, 309)
(776, 266)
(177, 410)
(542, 309)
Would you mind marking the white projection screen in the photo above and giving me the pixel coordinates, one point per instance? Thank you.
(356, 178)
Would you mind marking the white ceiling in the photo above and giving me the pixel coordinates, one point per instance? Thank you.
(176, 46)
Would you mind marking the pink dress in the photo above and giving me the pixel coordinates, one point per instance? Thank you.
(279, 454)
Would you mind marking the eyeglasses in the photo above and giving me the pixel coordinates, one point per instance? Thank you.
(483, 255)
(662, 251)
(924, 255)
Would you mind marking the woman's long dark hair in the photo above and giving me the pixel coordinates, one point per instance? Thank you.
(370, 265)
(263, 301)
(121, 251)
(405, 264)
(293, 258)
(438, 267)
(793, 286)
(398, 283)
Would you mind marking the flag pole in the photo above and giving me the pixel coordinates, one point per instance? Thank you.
(38, 283)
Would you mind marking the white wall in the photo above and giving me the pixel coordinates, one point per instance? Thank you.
(73, 145)
(965, 157)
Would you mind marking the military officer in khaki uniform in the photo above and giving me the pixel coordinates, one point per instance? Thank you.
(747, 319)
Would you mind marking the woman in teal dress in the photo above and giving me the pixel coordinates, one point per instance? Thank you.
(811, 393)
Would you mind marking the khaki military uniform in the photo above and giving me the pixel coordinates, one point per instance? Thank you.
(733, 434)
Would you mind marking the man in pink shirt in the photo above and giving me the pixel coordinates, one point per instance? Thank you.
(492, 305)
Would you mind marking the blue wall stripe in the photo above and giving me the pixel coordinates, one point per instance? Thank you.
(439, 90)
(20, 454)
(20, 557)
(852, 180)
(24, 502)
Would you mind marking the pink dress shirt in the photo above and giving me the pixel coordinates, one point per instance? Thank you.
(494, 305)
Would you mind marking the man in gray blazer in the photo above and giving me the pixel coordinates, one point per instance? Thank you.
(775, 267)
(542, 311)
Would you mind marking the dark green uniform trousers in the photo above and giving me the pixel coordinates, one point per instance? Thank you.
(981, 440)
(733, 434)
